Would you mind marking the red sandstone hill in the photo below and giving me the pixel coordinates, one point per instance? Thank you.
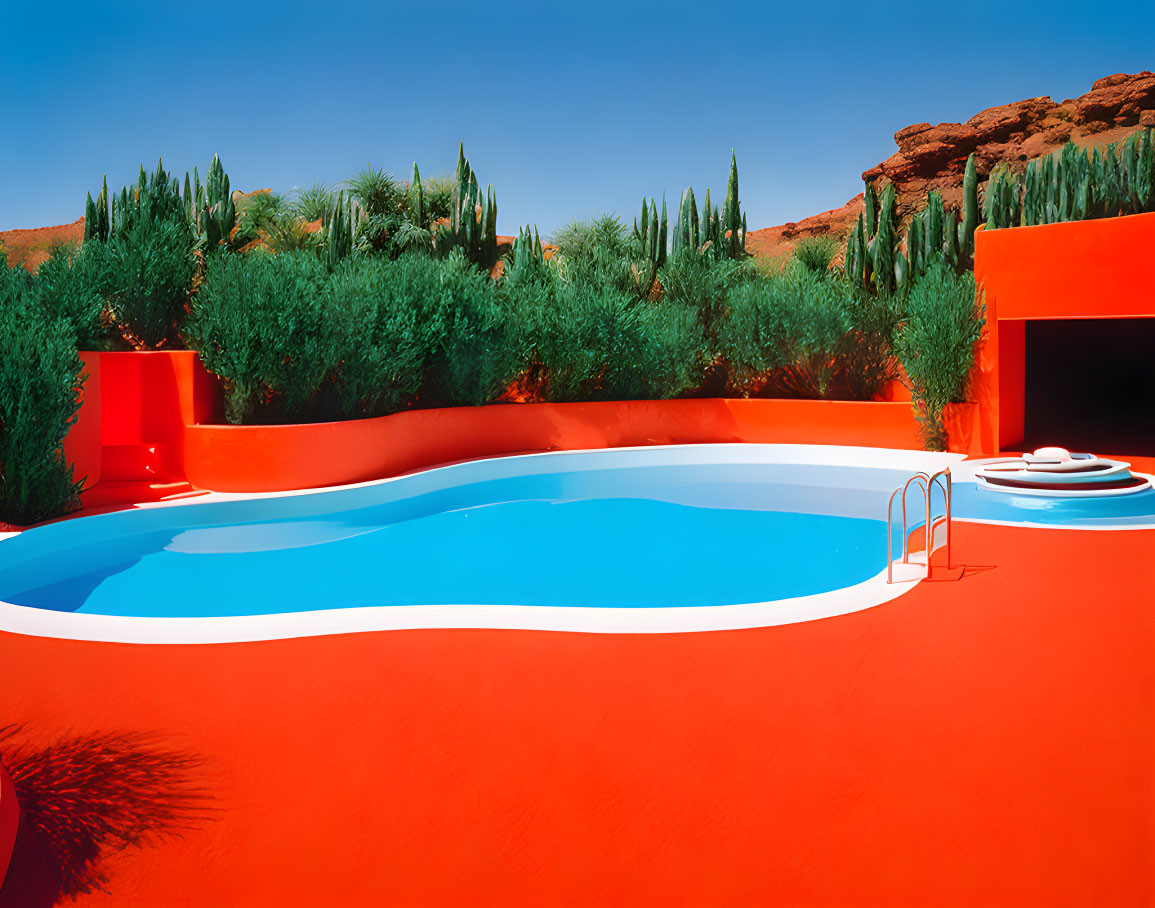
(31, 247)
(934, 157)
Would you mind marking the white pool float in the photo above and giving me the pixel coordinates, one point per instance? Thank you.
(1056, 472)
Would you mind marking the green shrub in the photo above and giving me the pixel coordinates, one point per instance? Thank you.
(255, 214)
(597, 343)
(39, 387)
(438, 197)
(259, 322)
(936, 345)
(701, 283)
(788, 334)
(391, 320)
(815, 253)
(478, 355)
(868, 358)
(150, 267)
(73, 282)
(597, 253)
(587, 240)
(288, 233)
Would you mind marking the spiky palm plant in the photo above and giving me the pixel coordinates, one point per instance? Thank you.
(375, 190)
(313, 202)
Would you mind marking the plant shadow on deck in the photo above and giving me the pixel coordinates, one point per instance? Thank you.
(84, 797)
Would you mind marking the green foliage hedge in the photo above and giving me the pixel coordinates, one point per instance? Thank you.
(260, 323)
(149, 268)
(936, 345)
(597, 343)
(39, 388)
(73, 284)
(295, 341)
(805, 335)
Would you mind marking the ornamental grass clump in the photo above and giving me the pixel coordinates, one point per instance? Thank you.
(390, 318)
(596, 343)
(936, 345)
(701, 283)
(313, 202)
(598, 252)
(479, 353)
(815, 253)
(39, 398)
(788, 335)
(260, 323)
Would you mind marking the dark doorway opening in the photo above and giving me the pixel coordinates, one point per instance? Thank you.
(1090, 385)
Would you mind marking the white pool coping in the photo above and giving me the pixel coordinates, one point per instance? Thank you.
(587, 619)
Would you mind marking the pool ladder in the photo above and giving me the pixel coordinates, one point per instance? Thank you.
(925, 483)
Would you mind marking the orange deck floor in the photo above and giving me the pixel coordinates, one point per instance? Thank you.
(984, 742)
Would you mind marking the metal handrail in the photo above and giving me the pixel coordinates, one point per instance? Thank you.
(926, 484)
(947, 493)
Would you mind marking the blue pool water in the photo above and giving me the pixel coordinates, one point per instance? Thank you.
(628, 529)
(604, 538)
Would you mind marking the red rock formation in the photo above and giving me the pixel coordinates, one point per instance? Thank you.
(934, 157)
(776, 243)
(31, 247)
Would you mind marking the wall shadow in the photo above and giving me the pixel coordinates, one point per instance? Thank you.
(1090, 385)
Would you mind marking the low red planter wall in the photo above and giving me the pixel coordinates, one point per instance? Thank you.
(274, 458)
(160, 413)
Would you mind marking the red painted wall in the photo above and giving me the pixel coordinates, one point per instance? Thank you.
(83, 444)
(1082, 269)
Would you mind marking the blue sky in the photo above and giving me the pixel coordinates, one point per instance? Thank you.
(568, 109)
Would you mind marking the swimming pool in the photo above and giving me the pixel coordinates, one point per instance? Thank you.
(625, 532)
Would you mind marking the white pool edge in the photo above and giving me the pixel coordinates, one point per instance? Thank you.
(589, 620)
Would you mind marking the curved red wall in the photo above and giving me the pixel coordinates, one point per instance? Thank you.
(159, 419)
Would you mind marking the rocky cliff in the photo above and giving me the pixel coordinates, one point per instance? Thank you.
(934, 157)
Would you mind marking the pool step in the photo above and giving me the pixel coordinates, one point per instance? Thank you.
(140, 462)
(119, 493)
